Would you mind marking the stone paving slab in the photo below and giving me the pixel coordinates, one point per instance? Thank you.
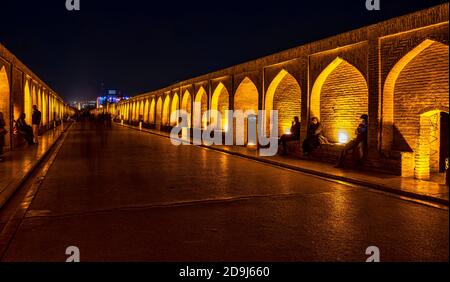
(19, 163)
(409, 187)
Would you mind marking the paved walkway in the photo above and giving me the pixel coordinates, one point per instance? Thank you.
(19, 163)
(124, 195)
(409, 187)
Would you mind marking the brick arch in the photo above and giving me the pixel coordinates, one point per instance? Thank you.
(133, 110)
(338, 98)
(201, 98)
(166, 110)
(283, 95)
(220, 103)
(142, 108)
(246, 96)
(4, 100)
(146, 110)
(173, 108)
(44, 107)
(152, 111)
(159, 107)
(424, 63)
(246, 100)
(186, 105)
(27, 99)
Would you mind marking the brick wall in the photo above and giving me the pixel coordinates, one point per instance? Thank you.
(246, 96)
(287, 100)
(202, 98)
(343, 99)
(421, 86)
(5, 100)
(220, 102)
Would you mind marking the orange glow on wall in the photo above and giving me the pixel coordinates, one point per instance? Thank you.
(158, 110)
(186, 105)
(339, 97)
(284, 95)
(166, 110)
(173, 109)
(146, 109)
(28, 103)
(152, 111)
(202, 99)
(4, 99)
(388, 93)
(246, 100)
(220, 103)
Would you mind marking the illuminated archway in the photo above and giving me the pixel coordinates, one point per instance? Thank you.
(246, 100)
(338, 98)
(44, 107)
(39, 101)
(146, 109)
(159, 110)
(4, 99)
(173, 108)
(283, 95)
(388, 103)
(141, 110)
(152, 111)
(201, 99)
(166, 110)
(133, 110)
(28, 100)
(220, 103)
(186, 105)
(415, 95)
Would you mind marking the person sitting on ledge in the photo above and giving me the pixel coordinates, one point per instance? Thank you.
(314, 137)
(293, 136)
(359, 142)
(24, 129)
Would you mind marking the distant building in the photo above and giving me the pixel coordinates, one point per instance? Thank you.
(110, 96)
(84, 104)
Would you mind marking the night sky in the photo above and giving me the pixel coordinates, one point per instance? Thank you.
(138, 46)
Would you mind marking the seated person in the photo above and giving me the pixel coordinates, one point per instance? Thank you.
(293, 136)
(359, 142)
(314, 137)
(24, 129)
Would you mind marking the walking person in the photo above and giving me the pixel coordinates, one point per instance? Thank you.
(36, 122)
(293, 136)
(359, 142)
(3, 132)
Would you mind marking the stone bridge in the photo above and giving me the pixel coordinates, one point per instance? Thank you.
(20, 89)
(396, 71)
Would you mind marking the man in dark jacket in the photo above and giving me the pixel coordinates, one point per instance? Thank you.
(293, 136)
(36, 122)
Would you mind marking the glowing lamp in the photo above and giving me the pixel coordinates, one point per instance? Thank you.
(342, 137)
(287, 130)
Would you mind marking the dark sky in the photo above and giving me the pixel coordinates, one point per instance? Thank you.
(138, 46)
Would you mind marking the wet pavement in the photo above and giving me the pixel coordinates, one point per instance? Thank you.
(123, 195)
(19, 163)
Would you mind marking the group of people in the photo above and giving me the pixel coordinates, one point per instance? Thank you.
(29, 133)
(314, 138)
